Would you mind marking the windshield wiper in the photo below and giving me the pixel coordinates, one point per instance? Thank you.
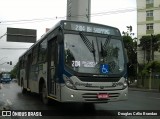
(102, 50)
(94, 51)
(89, 45)
(107, 41)
(103, 47)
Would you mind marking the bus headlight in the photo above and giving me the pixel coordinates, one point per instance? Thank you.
(68, 82)
(125, 84)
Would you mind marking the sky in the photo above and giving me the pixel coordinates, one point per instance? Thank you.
(42, 14)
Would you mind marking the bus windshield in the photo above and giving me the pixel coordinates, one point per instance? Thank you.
(93, 54)
(5, 75)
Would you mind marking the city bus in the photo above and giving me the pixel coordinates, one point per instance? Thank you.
(6, 77)
(76, 62)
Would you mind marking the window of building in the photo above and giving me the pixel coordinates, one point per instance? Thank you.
(149, 26)
(149, 1)
(149, 13)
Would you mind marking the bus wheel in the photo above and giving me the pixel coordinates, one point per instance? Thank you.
(23, 89)
(44, 94)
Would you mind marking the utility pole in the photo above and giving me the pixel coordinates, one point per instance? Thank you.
(150, 71)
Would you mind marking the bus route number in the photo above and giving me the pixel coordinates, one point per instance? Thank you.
(80, 28)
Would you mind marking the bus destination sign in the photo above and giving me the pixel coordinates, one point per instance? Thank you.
(93, 28)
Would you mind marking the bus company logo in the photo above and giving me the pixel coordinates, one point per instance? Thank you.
(83, 84)
(115, 84)
(6, 113)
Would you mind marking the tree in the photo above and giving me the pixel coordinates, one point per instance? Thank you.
(149, 45)
(131, 47)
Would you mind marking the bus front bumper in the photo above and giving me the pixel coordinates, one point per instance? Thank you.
(70, 95)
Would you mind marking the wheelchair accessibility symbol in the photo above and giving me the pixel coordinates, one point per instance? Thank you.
(104, 68)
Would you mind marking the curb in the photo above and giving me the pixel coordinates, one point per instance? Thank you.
(144, 90)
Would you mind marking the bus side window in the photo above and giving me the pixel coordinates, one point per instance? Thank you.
(53, 52)
(42, 51)
(35, 55)
(22, 62)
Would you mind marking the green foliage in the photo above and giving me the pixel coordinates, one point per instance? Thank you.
(131, 47)
(132, 70)
(127, 40)
(155, 66)
(150, 43)
(145, 42)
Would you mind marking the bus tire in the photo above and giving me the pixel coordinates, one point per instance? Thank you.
(44, 94)
(22, 88)
(24, 91)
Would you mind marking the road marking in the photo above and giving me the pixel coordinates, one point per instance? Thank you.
(154, 98)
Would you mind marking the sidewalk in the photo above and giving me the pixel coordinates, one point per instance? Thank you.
(144, 90)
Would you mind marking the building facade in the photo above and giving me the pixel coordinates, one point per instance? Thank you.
(148, 22)
(79, 10)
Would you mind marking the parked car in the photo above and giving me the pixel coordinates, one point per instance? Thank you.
(14, 80)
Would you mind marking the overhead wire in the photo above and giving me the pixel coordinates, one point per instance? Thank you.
(14, 48)
(3, 35)
(118, 11)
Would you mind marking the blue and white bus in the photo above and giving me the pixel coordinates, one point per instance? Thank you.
(76, 62)
(6, 77)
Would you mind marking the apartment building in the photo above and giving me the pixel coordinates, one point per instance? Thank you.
(148, 22)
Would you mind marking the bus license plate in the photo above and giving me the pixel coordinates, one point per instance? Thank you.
(103, 96)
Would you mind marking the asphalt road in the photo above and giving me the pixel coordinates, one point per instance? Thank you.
(11, 98)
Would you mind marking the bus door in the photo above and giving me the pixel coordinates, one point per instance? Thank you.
(52, 65)
(28, 67)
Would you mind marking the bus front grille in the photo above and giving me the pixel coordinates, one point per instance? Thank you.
(93, 97)
(99, 79)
